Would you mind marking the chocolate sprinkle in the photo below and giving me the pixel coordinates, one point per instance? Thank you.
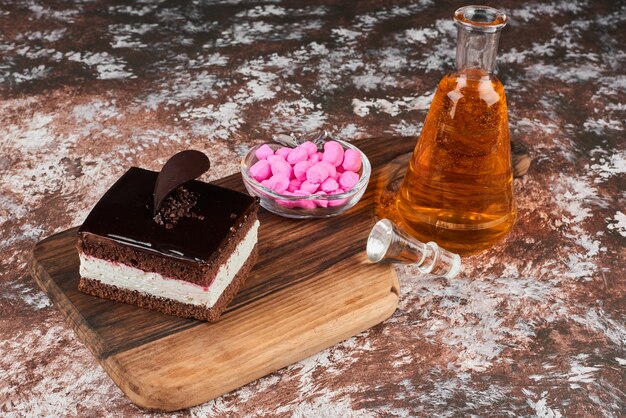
(176, 206)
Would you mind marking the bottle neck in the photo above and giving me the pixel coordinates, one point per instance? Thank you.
(476, 50)
(477, 38)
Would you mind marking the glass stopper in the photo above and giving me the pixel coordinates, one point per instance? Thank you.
(388, 243)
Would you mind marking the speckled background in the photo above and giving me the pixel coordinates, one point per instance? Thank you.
(535, 326)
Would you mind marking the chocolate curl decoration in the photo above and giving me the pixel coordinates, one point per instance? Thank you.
(178, 170)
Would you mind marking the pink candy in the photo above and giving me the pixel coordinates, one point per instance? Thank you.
(351, 160)
(332, 170)
(321, 202)
(317, 173)
(294, 184)
(283, 152)
(305, 171)
(264, 151)
(329, 185)
(310, 147)
(348, 180)
(279, 166)
(300, 169)
(309, 187)
(260, 170)
(314, 157)
(337, 202)
(278, 183)
(297, 155)
(303, 203)
(333, 153)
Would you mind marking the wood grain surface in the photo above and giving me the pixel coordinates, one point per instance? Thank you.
(312, 287)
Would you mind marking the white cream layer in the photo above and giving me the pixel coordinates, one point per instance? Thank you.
(131, 278)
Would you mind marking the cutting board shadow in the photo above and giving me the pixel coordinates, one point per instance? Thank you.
(312, 287)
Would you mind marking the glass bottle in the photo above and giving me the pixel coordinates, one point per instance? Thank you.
(458, 189)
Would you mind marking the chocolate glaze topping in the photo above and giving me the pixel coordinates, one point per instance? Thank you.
(124, 214)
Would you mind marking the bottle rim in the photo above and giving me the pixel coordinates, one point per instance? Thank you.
(480, 18)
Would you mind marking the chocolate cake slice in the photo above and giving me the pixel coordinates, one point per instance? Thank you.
(182, 250)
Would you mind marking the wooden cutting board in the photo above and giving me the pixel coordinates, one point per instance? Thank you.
(312, 287)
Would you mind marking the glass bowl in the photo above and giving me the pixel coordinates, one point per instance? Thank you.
(316, 205)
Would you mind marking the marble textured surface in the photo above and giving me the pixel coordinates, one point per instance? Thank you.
(535, 326)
